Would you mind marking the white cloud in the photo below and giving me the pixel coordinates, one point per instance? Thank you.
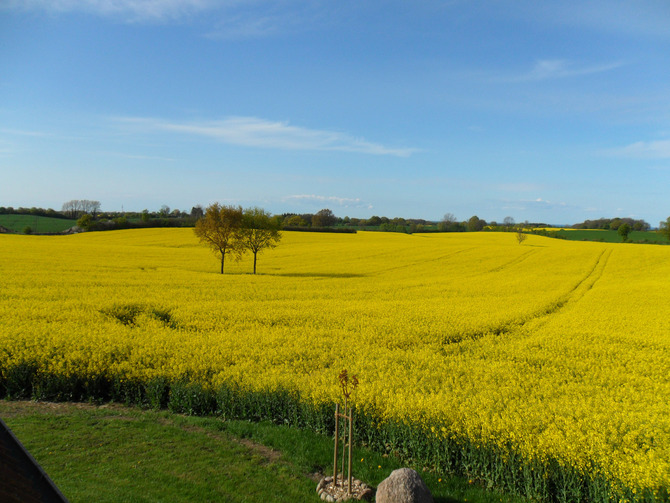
(131, 10)
(228, 19)
(550, 69)
(345, 202)
(254, 132)
(655, 149)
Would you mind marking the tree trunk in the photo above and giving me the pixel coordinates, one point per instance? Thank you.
(223, 256)
(255, 262)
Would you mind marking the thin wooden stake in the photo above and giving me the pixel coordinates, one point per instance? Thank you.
(344, 440)
(351, 429)
(337, 441)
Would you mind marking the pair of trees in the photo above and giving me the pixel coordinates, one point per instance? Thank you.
(230, 230)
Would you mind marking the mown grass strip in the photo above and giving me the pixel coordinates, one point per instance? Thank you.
(112, 453)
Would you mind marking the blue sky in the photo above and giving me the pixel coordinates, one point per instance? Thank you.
(552, 111)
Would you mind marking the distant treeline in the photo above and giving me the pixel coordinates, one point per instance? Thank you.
(39, 212)
(613, 224)
(89, 217)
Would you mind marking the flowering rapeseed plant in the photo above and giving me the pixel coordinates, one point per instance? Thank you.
(551, 357)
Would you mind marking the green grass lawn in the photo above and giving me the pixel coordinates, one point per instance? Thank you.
(37, 224)
(112, 453)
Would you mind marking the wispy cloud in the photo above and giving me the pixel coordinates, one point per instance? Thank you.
(255, 132)
(537, 204)
(140, 157)
(519, 187)
(247, 20)
(655, 149)
(648, 19)
(345, 202)
(227, 19)
(130, 10)
(552, 69)
(23, 132)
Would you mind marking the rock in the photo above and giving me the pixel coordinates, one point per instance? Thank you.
(403, 486)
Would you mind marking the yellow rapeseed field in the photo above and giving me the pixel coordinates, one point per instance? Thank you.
(552, 351)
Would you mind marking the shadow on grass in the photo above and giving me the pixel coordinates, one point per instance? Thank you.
(314, 275)
(445, 499)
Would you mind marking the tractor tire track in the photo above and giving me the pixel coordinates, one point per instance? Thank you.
(512, 262)
(576, 293)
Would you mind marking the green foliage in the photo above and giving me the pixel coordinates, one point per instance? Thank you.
(324, 218)
(191, 398)
(17, 381)
(475, 224)
(623, 231)
(258, 231)
(85, 221)
(613, 224)
(220, 229)
(520, 235)
(294, 221)
(664, 228)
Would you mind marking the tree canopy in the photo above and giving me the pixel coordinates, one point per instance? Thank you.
(259, 231)
(229, 230)
(220, 229)
(664, 228)
(324, 218)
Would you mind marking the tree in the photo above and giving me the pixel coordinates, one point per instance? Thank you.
(324, 218)
(295, 221)
(508, 222)
(624, 230)
(475, 224)
(448, 223)
(664, 228)
(221, 230)
(520, 235)
(373, 220)
(77, 207)
(85, 221)
(197, 211)
(259, 231)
